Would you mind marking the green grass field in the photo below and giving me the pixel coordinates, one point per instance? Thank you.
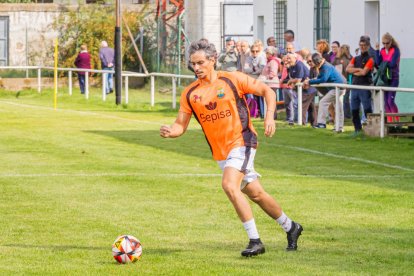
(73, 179)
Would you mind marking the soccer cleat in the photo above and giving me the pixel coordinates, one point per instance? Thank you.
(293, 236)
(254, 248)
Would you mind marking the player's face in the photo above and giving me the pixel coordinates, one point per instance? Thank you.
(202, 65)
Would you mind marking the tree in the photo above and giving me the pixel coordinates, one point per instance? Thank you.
(90, 24)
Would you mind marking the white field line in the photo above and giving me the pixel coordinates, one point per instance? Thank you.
(273, 145)
(190, 175)
(82, 113)
(343, 157)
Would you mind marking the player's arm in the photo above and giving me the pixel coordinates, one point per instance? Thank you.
(178, 127)
(269, 95)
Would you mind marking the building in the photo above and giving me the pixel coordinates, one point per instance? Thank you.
(344, 21)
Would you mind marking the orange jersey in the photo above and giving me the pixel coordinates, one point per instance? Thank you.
(222, 112)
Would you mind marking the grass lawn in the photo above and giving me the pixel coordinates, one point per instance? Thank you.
(75, 178)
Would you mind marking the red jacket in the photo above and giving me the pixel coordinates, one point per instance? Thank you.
(83, 60)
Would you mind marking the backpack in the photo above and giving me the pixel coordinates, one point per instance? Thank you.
(253, 107)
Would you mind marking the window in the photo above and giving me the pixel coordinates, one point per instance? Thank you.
(279, 20)
(4, 37)
(322, 20)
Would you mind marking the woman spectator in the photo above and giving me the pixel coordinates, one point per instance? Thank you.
(322, 47)
(254, 67)
(334, 53)
(271, 70)
(390, 54)
(342, 59)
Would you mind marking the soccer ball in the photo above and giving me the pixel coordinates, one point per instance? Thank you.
(126, 249)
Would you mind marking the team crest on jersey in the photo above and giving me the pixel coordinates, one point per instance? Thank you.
(211, 106)
(196, 98)
(220, 92)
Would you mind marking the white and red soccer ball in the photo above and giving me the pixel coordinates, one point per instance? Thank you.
(126, 249)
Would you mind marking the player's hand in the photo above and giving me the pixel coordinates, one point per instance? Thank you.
(165, 131)
(269, 124)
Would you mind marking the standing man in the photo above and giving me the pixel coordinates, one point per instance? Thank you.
(107, 56)
(228, 58)
(298, 72)
(361, 69)
(289, 37)
(216, 100)
(83, 61)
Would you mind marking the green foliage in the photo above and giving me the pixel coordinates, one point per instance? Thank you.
(91, 24)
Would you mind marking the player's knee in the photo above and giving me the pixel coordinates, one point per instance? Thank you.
(257, 196)
(229, 188)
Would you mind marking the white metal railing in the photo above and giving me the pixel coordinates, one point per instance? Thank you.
(340, 86)
(174, 78)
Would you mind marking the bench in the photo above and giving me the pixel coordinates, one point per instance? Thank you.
(403, 128)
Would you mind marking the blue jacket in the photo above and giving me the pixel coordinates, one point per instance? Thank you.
(328, 74)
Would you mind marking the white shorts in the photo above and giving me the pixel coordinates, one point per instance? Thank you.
(242, 159)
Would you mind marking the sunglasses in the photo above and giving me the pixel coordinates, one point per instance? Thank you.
(254, 51)
(386, 43)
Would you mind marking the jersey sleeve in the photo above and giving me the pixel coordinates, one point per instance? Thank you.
(184, 106)
(352, 61)
(245, 83)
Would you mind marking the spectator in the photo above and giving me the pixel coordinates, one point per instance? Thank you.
(389, 57)
(289, 95)
(327, 74)
(371, 51)
(238, 47)
(289, 37)
(298, 72)
(313, 73)
(290, 48)
(304, 53)
(83, 61)
(334, 51)
(107, 56)
(343, 58)
(361, 67)
(244, 56)
(322, 47)
(271, 70)
(254, 67)
(271, 41)
(227, 60)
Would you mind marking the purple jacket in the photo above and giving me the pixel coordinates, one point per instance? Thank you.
(107, 56)
(83, 60)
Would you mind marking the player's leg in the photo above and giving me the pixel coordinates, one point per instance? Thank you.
(231, 186)
(257, 194)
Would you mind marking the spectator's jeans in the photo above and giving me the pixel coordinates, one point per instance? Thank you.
(324, 105)
(81, 78)
(359, 97)
(291, 104)
(108, 80)
(260, 104)
(347, 104)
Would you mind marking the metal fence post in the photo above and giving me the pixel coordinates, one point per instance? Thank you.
(152, 91)
(87, 85)
(174, 92)
(39, 80)
(337, 108)
(300, 103)
(126, 89)
(382, 114)
(70, 82)
(103, 86)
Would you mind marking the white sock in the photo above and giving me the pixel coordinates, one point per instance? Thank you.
(250, 227)
(285, 222)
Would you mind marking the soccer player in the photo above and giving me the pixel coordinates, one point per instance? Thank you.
(217, 102)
